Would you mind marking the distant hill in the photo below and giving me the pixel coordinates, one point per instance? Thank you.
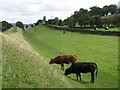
(109, 16)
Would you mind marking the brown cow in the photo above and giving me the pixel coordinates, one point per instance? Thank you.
(61, 59)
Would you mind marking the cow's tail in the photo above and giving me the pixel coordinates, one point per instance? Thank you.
(96, 70)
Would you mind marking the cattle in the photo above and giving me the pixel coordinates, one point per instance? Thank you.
(95, 29)
(64, 32)
(106, 28)
(82, 67)
(61, 59)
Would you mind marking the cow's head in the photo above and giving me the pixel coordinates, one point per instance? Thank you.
(67, 72)
(52, 61)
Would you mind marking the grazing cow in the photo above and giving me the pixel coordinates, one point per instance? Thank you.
(106, 28)
(61, 59)
(82, 67)
(95, 29)
(64, 32)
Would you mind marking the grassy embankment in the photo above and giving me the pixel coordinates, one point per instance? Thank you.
(103, 50)
(23, 67)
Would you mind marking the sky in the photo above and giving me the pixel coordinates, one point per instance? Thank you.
(29, 11)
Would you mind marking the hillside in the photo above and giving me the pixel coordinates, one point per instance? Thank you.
(110, 16)
(26, 57)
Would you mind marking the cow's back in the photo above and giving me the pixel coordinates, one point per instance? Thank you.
(66, 58)
(83, 67)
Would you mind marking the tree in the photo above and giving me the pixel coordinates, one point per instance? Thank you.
(92, 22)
(71, 22)
(65, 22)
(50, 21)
(20, 25)
(95, 11)
(78, 14)
(82, 17)
(107, 21)
(6, 26)
(60, 23)
(84, 20)
(98, 21)
(44, 19)
(105, 10)
(113, 9)
(39, 22)
(53, 21)
(56, 21)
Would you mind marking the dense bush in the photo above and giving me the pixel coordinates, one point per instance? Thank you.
(39, 22)
(20, 25)
(6, 26)
(71, 22)
(60, 23)
(53, 21)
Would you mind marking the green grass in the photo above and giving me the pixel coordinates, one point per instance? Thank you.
(0, 61)
(23, 67)
(26, 58)
(103, 50)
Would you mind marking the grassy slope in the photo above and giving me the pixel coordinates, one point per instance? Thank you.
(100, 49)
(23, 67)
(0, 61)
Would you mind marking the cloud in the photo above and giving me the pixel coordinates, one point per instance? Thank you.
(31, 10)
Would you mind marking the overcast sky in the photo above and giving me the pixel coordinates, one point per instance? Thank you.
(29, 11)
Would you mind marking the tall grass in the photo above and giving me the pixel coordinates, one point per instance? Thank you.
(0, 60)
(23, 67)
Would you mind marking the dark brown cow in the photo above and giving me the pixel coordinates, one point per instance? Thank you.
(61, 59)
(82, 67)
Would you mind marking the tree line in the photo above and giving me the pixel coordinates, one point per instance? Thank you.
(95, 17)
(6, 25)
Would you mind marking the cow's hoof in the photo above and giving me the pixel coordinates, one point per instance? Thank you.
(92, 82)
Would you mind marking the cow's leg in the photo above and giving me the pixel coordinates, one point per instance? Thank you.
(92, 77)
(80, 76)
(62, 66)
(77, 76)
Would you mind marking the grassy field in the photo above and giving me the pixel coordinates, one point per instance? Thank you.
(23, 67)
(26, 57)
(89, 48)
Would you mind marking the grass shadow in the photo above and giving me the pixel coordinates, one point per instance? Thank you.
(84, 82)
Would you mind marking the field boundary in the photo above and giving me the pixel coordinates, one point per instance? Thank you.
(109, 33)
